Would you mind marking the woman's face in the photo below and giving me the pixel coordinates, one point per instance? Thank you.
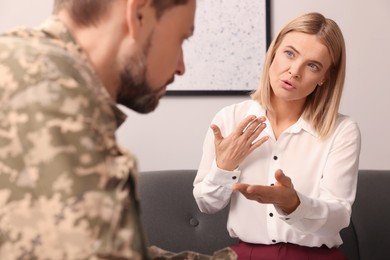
(300, 64)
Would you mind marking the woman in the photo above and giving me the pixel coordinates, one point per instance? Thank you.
(286, 160)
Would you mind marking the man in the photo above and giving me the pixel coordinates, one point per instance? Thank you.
(67, 190)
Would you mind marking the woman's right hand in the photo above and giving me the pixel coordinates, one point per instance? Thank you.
(233, 149)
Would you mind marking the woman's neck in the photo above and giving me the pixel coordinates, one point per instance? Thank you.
(283, 115)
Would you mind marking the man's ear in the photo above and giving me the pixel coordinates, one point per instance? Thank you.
(135, 11)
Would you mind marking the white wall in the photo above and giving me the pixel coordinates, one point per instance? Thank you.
(172, 136)
(22, 12)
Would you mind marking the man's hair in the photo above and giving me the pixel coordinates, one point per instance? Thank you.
(88, 12)
(322, 105)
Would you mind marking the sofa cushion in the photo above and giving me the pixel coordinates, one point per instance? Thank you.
(171, 218)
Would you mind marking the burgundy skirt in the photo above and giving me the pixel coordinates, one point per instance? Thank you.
(285, 251)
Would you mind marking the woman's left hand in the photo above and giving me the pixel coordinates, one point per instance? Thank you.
(230, 151)
(282, 194)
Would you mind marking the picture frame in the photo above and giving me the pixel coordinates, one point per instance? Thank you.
(225, 55)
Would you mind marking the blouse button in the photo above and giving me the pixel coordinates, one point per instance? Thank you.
(273, 241)
(234, 177)
(271, 214)
(275, 157)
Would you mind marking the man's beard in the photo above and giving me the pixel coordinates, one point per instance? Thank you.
(134, 91)
(136, 94)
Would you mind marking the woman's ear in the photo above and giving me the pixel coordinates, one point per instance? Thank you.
(135, 10)
(326, 77)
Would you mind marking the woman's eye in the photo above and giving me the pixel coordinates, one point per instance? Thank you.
(289, 53)
(314, 67)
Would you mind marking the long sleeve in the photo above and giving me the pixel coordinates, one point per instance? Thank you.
(70, 194)
(213, 186)
(330, 211)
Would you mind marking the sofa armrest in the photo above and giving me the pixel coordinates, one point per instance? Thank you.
(370, 214)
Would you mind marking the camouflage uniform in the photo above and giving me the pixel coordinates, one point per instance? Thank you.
(66, 187)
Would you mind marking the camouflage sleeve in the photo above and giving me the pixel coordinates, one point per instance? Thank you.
(64, 183)
(161, 254)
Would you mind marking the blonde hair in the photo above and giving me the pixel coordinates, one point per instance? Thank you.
(322, 105)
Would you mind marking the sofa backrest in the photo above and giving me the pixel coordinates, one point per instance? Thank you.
(172, 220)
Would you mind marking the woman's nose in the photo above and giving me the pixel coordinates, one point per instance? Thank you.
(295, 70)
(294, 74)
(180, 69)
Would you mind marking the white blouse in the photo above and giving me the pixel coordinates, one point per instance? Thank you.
(323, 172)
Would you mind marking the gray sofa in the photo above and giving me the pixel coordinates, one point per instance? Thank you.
(173, 221)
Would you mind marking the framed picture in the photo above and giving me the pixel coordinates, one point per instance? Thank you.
(225, 55)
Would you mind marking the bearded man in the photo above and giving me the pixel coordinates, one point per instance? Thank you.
(67, 189)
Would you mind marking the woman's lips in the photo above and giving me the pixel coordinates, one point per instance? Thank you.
(286, 84)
